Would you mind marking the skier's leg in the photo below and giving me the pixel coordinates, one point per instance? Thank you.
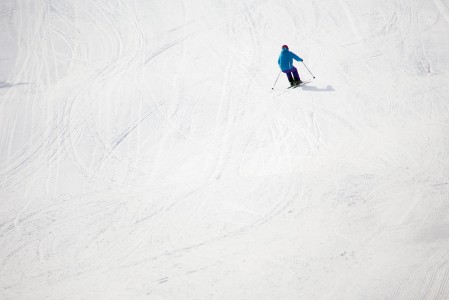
(290, 77)
(296, 75)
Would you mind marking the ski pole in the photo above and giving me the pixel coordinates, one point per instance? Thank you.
(276, 80)
(308, 70)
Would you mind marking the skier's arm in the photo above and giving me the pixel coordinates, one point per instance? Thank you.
(296, 57)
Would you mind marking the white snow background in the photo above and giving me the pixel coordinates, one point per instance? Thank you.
(144, 155)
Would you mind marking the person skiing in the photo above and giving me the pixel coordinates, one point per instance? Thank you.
(285, 62)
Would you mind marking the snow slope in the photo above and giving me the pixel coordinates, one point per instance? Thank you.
(145, 156)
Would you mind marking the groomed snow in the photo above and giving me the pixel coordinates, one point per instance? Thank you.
(144, 154)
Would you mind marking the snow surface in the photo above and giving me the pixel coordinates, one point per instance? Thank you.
(145, 156)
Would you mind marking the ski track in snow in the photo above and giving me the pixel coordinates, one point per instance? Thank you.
(144, 155)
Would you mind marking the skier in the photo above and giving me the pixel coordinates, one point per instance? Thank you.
(285, 62)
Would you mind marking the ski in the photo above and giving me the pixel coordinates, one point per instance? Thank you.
(301, 84)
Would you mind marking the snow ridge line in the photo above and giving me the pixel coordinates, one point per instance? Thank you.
(443, 9)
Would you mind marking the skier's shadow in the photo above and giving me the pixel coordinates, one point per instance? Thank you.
(312, 88)
(4, 84)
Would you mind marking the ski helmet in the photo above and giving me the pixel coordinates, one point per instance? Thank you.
(284, 47)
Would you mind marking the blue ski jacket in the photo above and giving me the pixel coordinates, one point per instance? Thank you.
(285, 60)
